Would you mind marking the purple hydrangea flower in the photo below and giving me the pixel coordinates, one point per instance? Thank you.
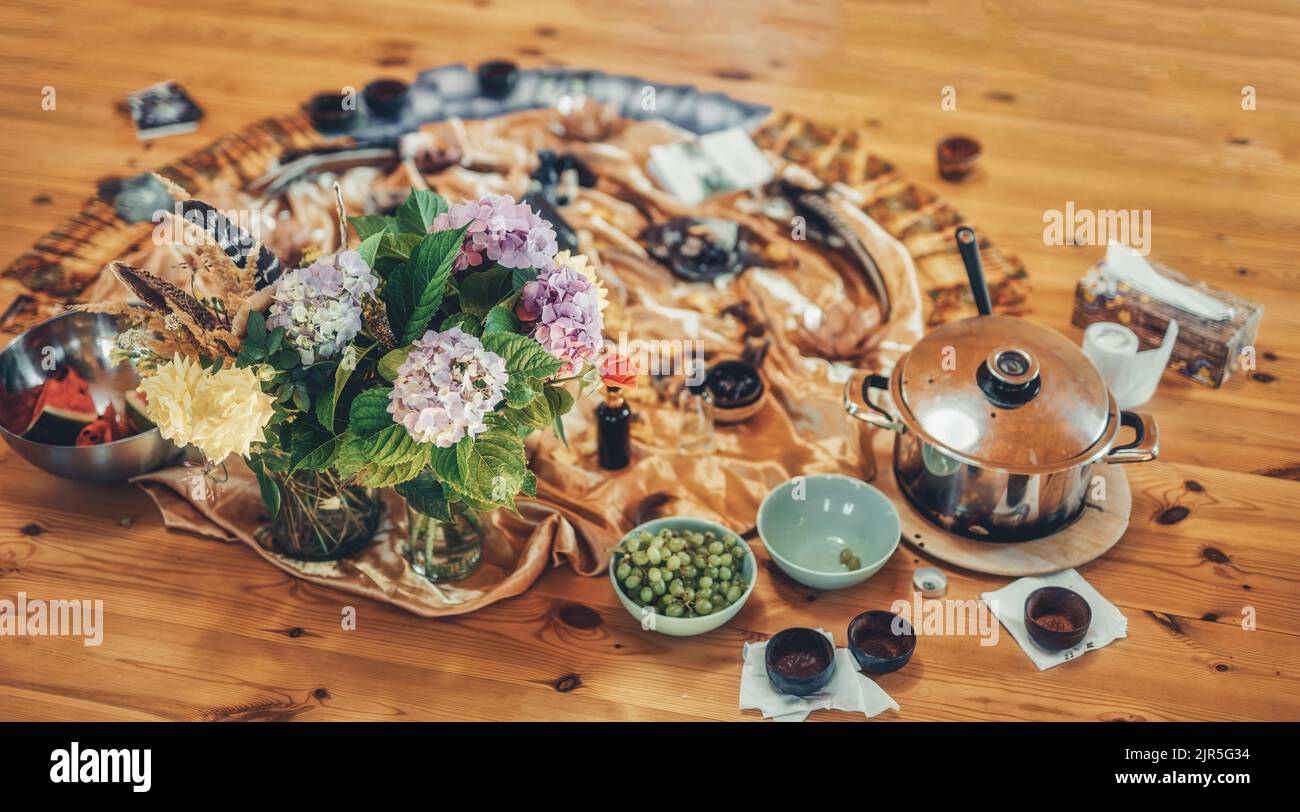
(446, 387)
(566, 306)
(319, 306)
(501, 231)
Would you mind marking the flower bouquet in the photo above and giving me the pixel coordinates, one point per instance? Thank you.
(418, 361)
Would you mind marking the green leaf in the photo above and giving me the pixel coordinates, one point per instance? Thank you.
(491, 466)
(311, 447)
(415, 290)
(369, 247)
(465, 321)
(329, 401)
(391, 361)
(269, 489)
(481, 290)
(398, 245)
(524, 357)
(257, 328)
(419, 210)
(522, 276)
(559, 399)
(369, 414)
(426, 494)
(500, 319)
(369, 225)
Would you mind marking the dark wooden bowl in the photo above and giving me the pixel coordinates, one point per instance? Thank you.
(1057, 618)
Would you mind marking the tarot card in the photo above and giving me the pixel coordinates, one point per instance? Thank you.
(522, 96)
(716, 111)
(699, 168)
(164, 109)
(452, 81)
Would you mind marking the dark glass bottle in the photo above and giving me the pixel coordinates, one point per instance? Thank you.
(613, 441)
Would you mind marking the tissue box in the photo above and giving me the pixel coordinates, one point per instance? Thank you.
(1206, 351)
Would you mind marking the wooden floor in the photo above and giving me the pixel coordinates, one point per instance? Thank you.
(1109, 104)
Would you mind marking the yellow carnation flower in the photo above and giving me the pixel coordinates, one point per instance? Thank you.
(219, 413)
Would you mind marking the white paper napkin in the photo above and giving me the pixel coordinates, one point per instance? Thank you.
(848, 690)
(1008, 604)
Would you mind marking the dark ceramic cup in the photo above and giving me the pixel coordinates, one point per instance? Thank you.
(799, 661)
(1057, 618)
(386, 97)
(876, 646)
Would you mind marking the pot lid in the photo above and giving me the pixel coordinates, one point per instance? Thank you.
(1004, 392)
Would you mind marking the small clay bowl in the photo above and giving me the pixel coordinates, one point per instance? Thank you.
(958, 156)
(875, 645)
(386, 97)
(737, 389)
(800, 661)
(328, 111)
(1057, 618)
(497, 78)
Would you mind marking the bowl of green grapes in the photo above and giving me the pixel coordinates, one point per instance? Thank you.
(681, 576)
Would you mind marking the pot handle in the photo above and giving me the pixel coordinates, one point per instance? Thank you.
(1145, 445)
(865, 410)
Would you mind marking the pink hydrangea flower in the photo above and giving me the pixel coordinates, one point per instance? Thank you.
(446, 387)
(501, 231)
(566, 306)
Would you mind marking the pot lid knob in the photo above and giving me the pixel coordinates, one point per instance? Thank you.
(1009, 377)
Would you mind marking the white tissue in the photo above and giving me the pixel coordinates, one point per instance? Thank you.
(1008, 603)
(849, 689)
(1128, 265)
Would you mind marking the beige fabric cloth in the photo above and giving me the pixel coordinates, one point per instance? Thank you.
(812, 306)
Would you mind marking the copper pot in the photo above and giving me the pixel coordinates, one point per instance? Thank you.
(998, 423)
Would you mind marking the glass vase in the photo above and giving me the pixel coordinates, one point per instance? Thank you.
(323, 518)
(443, 551)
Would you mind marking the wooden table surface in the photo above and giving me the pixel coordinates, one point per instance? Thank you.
(1110, 104)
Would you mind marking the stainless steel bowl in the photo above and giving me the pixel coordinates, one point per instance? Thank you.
(84, 341)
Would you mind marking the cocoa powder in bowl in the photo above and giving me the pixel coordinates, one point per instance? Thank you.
(881, 641)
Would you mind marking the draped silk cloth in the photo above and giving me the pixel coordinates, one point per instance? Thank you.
(811, 306)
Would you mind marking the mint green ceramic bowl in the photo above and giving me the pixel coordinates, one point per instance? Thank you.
(686, 626)
(807, 521)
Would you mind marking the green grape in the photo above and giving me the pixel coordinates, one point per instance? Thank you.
(675, 610)
(657, 543)
(721, 603)
(714, 560)
(632, 545)
(716, 547)
(647, 594)
(654, 555)
(676, 544)
(688, 594)
(734, 593)
(676, 588)
(632, 581)
(700, 562)
(673, 564)
(846, 555)
(640, 559)
(624, 570)
(724, 573)
(725, 559)
(705, 582)
(738, 553)
(645, 535)
(689, 571)
(697, 539)
(659, 587)
(654, 574)
(704, 606)
(712, 572)
(855, 563)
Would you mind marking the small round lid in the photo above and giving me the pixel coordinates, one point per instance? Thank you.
(1004, 393)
